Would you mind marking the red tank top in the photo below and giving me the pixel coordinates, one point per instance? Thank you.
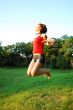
(38, 45)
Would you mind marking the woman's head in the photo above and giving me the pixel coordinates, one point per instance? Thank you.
(41, 28)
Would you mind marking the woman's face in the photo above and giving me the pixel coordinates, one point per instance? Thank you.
(38, 28)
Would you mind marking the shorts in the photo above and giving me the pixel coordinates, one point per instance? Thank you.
(40, 57)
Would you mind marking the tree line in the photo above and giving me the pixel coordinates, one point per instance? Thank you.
(20, 54)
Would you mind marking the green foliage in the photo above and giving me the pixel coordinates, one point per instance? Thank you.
(15, 55)
(61, 54)
(58, 56)
(63, 62)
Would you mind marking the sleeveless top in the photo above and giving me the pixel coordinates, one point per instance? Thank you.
(38, 45)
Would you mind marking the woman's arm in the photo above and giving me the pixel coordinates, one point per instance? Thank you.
(50, 42)
(47, 41)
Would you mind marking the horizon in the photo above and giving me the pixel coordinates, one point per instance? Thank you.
(59, 37)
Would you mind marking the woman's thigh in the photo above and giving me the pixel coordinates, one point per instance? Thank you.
(36, 67)
(31, 65)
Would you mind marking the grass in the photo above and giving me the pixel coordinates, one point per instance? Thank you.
(20, 92)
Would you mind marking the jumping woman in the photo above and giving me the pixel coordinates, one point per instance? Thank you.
(38, 60)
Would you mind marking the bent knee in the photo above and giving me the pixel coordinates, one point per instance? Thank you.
(28, 73)
(33, 73)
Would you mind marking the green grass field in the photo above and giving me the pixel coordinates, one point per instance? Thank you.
(20, 92)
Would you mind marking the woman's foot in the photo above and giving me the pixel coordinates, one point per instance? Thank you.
(47, 73)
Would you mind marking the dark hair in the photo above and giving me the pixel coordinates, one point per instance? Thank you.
(43, 28)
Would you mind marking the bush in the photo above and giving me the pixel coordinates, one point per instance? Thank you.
(53, 62)
(63, 62)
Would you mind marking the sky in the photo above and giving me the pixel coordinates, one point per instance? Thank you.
(18, 19)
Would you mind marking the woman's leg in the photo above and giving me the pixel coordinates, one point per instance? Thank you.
(38, 70)
(31, 65)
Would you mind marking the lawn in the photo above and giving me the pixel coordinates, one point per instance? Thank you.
(20, 92)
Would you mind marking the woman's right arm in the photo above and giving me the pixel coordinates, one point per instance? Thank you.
(50, 42)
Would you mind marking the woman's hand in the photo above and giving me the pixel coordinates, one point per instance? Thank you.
(48, 41)
(51, 41)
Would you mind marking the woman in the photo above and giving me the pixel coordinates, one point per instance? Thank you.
(36, 65)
